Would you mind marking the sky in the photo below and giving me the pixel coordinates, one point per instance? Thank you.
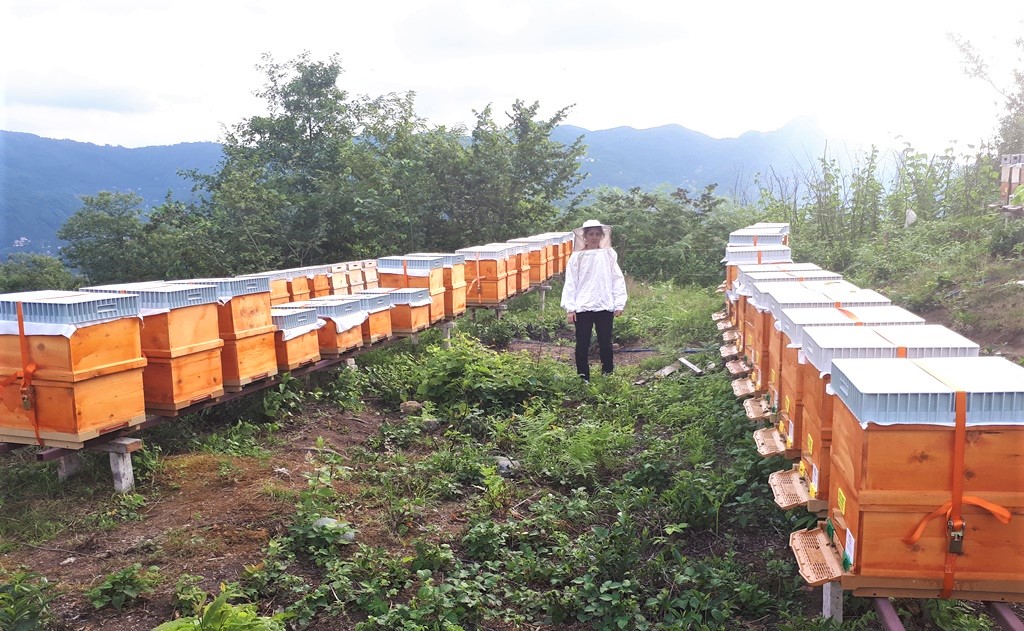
(152, 72)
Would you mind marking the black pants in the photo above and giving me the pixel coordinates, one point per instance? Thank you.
(585, 322)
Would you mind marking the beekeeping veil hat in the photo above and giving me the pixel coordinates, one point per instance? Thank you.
(606, 240)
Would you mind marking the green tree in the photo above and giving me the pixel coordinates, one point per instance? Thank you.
(31, 272)
(107, 240)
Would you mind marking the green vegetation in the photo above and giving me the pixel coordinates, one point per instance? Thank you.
(124, 587)
(25, 601)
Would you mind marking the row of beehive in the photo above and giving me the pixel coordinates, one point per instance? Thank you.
(862, 395)
(76, 365)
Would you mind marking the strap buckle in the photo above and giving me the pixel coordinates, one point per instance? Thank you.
(956, 537)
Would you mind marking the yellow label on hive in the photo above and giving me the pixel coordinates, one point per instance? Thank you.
(810, 444)
(772, 377)
(841, 500)
(786, 405)
(802, 470)
(812, 484)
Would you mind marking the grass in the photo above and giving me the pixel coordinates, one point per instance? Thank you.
(520, 497)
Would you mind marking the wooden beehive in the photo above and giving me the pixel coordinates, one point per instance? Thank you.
(249, 359)
(823, 345)
(536, 257)
(343, 317)
(296, 341)
(181, 341)
(84, 360)
(412, 309)
(243, 315)
(339, 280)
(90, 351)
(892, 455)
(377, 325)
(370, 277)
(70, 413)
(454, 279)
(173, 383)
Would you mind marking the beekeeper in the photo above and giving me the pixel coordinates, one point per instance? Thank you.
(594, 293)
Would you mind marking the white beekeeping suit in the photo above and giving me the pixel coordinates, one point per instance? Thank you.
(593, 279)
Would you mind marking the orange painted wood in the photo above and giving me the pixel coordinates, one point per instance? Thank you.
(296, 352)
(879, 520)
(393, 281)
(320, 285)
(280, 300)
(173, 383)
(74, 411)
(249, 359)
(455, 301)
(437, 302)
(731, 272)
(279, 291)
(492, 269)
(916, 457)
(538, 267)
(332, 343)
(455, 275)
(523, 280)
(407, 319)
(791, 413)
(91, 351)
(377, 327)
(243, 314)
(299, 288)
(180, 331)
(790, 379)
(339, 283)
(774, 360)
(434, 281)
(486, 292)
(511, 284)
(816, 433)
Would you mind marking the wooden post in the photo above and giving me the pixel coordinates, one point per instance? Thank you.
(68, 465)
(543, 289)
(446, 328)
(832, 601)
(120, 450)
(121, 469)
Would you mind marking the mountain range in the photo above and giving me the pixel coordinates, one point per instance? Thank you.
(42, 180)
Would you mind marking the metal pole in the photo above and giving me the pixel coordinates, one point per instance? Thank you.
(1004, 616)
(887, 615)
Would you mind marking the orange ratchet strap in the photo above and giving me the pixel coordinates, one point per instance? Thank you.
(953, 509)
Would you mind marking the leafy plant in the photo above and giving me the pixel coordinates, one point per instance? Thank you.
(220, 615)
(124, 587)
(25, 601)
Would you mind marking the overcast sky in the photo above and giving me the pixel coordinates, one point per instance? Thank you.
(140, 72)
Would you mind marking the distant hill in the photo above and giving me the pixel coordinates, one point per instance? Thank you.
(680, 157)
(42, 180)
